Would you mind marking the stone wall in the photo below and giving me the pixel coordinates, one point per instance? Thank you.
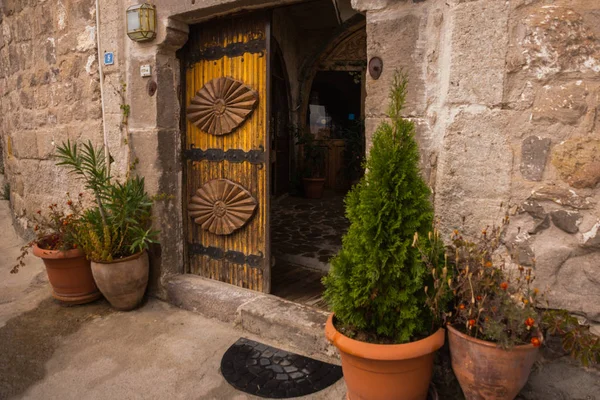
(505, 95)
(49, 92)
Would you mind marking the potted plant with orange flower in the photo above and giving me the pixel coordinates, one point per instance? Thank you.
(386, 309)
(69, 271)
(495, 332)
(496, 326)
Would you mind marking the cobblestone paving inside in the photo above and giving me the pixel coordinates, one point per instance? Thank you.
(308, 228)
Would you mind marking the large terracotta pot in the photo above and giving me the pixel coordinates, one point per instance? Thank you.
(386, 371)
(69, 274)
(123, 281)
(487, 372)
(313, 187)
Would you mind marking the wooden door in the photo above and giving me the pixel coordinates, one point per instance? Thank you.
(226, 150)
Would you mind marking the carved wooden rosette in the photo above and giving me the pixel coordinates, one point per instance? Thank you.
(221, 206)
(221, 106)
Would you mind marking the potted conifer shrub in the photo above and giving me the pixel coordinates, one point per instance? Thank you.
(382, 324)
(116, 233)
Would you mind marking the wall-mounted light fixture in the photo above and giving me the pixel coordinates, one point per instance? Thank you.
(141, 22)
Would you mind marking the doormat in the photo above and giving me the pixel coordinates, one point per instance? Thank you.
(265, 371)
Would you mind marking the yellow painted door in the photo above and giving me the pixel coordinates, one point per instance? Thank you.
(226, 150)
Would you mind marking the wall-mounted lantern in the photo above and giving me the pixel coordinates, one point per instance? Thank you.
(141, 22)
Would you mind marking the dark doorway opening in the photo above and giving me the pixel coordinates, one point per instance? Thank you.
(318, 77)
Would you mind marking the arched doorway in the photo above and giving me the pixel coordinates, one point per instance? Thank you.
(329, 107)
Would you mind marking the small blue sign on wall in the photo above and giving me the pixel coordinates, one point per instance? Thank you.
(109, 58)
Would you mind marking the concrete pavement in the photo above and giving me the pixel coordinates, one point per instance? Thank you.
(50, 351)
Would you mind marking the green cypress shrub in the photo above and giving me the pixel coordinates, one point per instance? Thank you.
(377, 280)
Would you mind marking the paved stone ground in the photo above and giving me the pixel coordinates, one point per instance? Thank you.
(308, 231)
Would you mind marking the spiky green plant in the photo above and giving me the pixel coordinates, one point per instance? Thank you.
(119, 225)
(376, 283)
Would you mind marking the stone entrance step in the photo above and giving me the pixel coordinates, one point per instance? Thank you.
(294, 326)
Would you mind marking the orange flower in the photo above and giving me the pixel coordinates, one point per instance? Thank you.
(479, 298)
(530, 322)
(461, 306)
(65, 222)
(489, 264)
(471, 323)
(536, 291)
(536, 342)
(70, 203)
(504, 285)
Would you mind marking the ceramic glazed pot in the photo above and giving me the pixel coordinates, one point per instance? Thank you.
(313, 187)
(386, 371)
(123, 281)
(69, 274)
(486, 371)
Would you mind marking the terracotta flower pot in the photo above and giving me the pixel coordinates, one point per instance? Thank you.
(313, 187)
(69, 274)
(123, 281)
(486, 371)
(386, 371)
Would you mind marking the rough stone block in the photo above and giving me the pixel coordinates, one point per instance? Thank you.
(562, 196)
(565, 103)
(393, 35)
(274, 318)
(578, 161)
(534, 209)
(567, 221)
(370, 5)
(534, 153)
(24, 145)
(521, 251)
(540, 225)
(209, 298)
(474, 170)
(479, 44)
(591, 238)
(556, 39)
(577, 287)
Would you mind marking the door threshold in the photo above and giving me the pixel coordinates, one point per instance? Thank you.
(298, 327)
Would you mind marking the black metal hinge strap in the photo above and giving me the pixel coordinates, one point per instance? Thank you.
(232, 50)
(231, 155)
(236, 257)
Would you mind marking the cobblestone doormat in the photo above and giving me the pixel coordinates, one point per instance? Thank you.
(265, 371)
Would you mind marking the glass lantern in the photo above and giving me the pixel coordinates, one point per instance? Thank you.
(141, 22)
